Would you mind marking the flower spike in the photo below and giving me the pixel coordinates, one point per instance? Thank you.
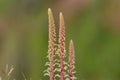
(52, 42)
(62, 50)
(71, 60)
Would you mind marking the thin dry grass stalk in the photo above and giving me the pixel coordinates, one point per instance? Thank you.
(7, 72)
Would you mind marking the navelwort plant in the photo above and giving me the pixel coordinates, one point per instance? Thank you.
(58, 67)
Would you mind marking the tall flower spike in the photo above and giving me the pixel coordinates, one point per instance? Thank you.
(57, 65)
(62, 35)
(71, 60)
(52, 42)
(62, 45)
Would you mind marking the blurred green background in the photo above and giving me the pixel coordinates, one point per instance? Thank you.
(94, 26)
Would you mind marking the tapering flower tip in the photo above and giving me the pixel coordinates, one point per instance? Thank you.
(71, 50)
(61, 19)
(72, 45)
(52, 32)
(50, 14)
(49, 11)
(71, 42)
(61, 14)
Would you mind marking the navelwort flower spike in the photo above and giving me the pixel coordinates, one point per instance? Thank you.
(71, 60)
(61, 46)
(57, 66)
(51, 46)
